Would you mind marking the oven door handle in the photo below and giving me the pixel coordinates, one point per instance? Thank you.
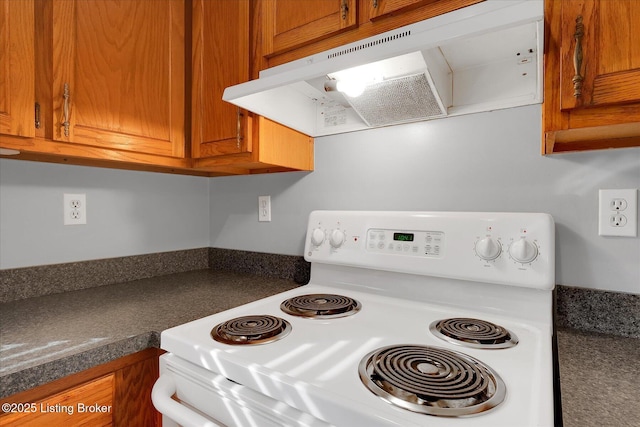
(161, 395)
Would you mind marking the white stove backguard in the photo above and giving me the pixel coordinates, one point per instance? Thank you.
(514, 249)
(310, 377)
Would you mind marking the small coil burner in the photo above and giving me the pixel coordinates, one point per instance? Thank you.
(432, 380)
(320, 306)
(473, 333)
(259, 329)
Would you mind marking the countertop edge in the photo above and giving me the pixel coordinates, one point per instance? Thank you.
(45, 373)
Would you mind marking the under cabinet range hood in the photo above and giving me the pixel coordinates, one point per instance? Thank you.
(479, 58)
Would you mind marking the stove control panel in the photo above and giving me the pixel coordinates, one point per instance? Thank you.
(406, 242)
(516, 249)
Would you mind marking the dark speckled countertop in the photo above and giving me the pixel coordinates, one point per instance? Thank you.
(599, 379)
(47, 337)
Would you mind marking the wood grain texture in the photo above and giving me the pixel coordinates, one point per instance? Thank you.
(63, 150)
(405, 14)
(17, 68)
(124, 383)
(124, 64)
(89, 404)
(607, 113)
(284, 147)
(288, 24)
(220, 58)
(387, 7)
(133, 394)
(611, 68)
(552, 118)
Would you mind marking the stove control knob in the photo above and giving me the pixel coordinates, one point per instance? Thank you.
(317, 236)
(488, 248)
(336, 239)
(523, 251)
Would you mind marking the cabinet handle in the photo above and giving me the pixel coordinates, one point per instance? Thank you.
(577, 58)
(239, 129)
(65, 107)
(344, 8)
(37, 115)
(375, 4)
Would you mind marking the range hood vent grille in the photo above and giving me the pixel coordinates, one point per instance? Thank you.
(367, 45)
(401, 100)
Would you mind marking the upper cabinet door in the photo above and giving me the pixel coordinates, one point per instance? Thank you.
(288, 24)
(381, 8)
(118, 74)
(600, 53)
(220, 50)
(17, 68)
(591, 75)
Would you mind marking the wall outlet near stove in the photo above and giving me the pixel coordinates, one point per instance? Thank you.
(264, 208)
(75, 209)
(618, 213)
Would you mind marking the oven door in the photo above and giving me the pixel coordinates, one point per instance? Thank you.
(189, 396)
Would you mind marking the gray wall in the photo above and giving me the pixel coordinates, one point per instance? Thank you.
(482, 162)
(128, 213)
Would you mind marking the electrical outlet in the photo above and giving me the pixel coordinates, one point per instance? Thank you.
(75, 209)
(618, 213)
(618, 220)
(618, 204)
(264, 208)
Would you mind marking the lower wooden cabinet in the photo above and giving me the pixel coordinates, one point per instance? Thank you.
(117, 393)
(90, 403)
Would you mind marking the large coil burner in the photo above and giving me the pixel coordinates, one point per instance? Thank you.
(432, 380)
(260, 329)
(320, 306)
(473, 333)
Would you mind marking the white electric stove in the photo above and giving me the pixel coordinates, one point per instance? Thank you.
(409, 319)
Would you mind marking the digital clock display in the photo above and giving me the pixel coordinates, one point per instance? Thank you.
(403, 237)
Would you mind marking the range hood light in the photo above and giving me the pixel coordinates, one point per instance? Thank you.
(351, 88)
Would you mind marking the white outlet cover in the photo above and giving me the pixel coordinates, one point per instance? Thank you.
(74, 209)
(606, 213)
(264, 208)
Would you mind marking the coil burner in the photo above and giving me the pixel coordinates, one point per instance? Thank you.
(473, 333)
(260, 329)
(432, 380)
(320, 306)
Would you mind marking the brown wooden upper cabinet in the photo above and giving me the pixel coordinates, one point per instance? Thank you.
(220, 58)
(383, 8)
(592, 75)
(226, 140)
(115, 73)
(288, 24)
(293, 29)
(17, 68)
